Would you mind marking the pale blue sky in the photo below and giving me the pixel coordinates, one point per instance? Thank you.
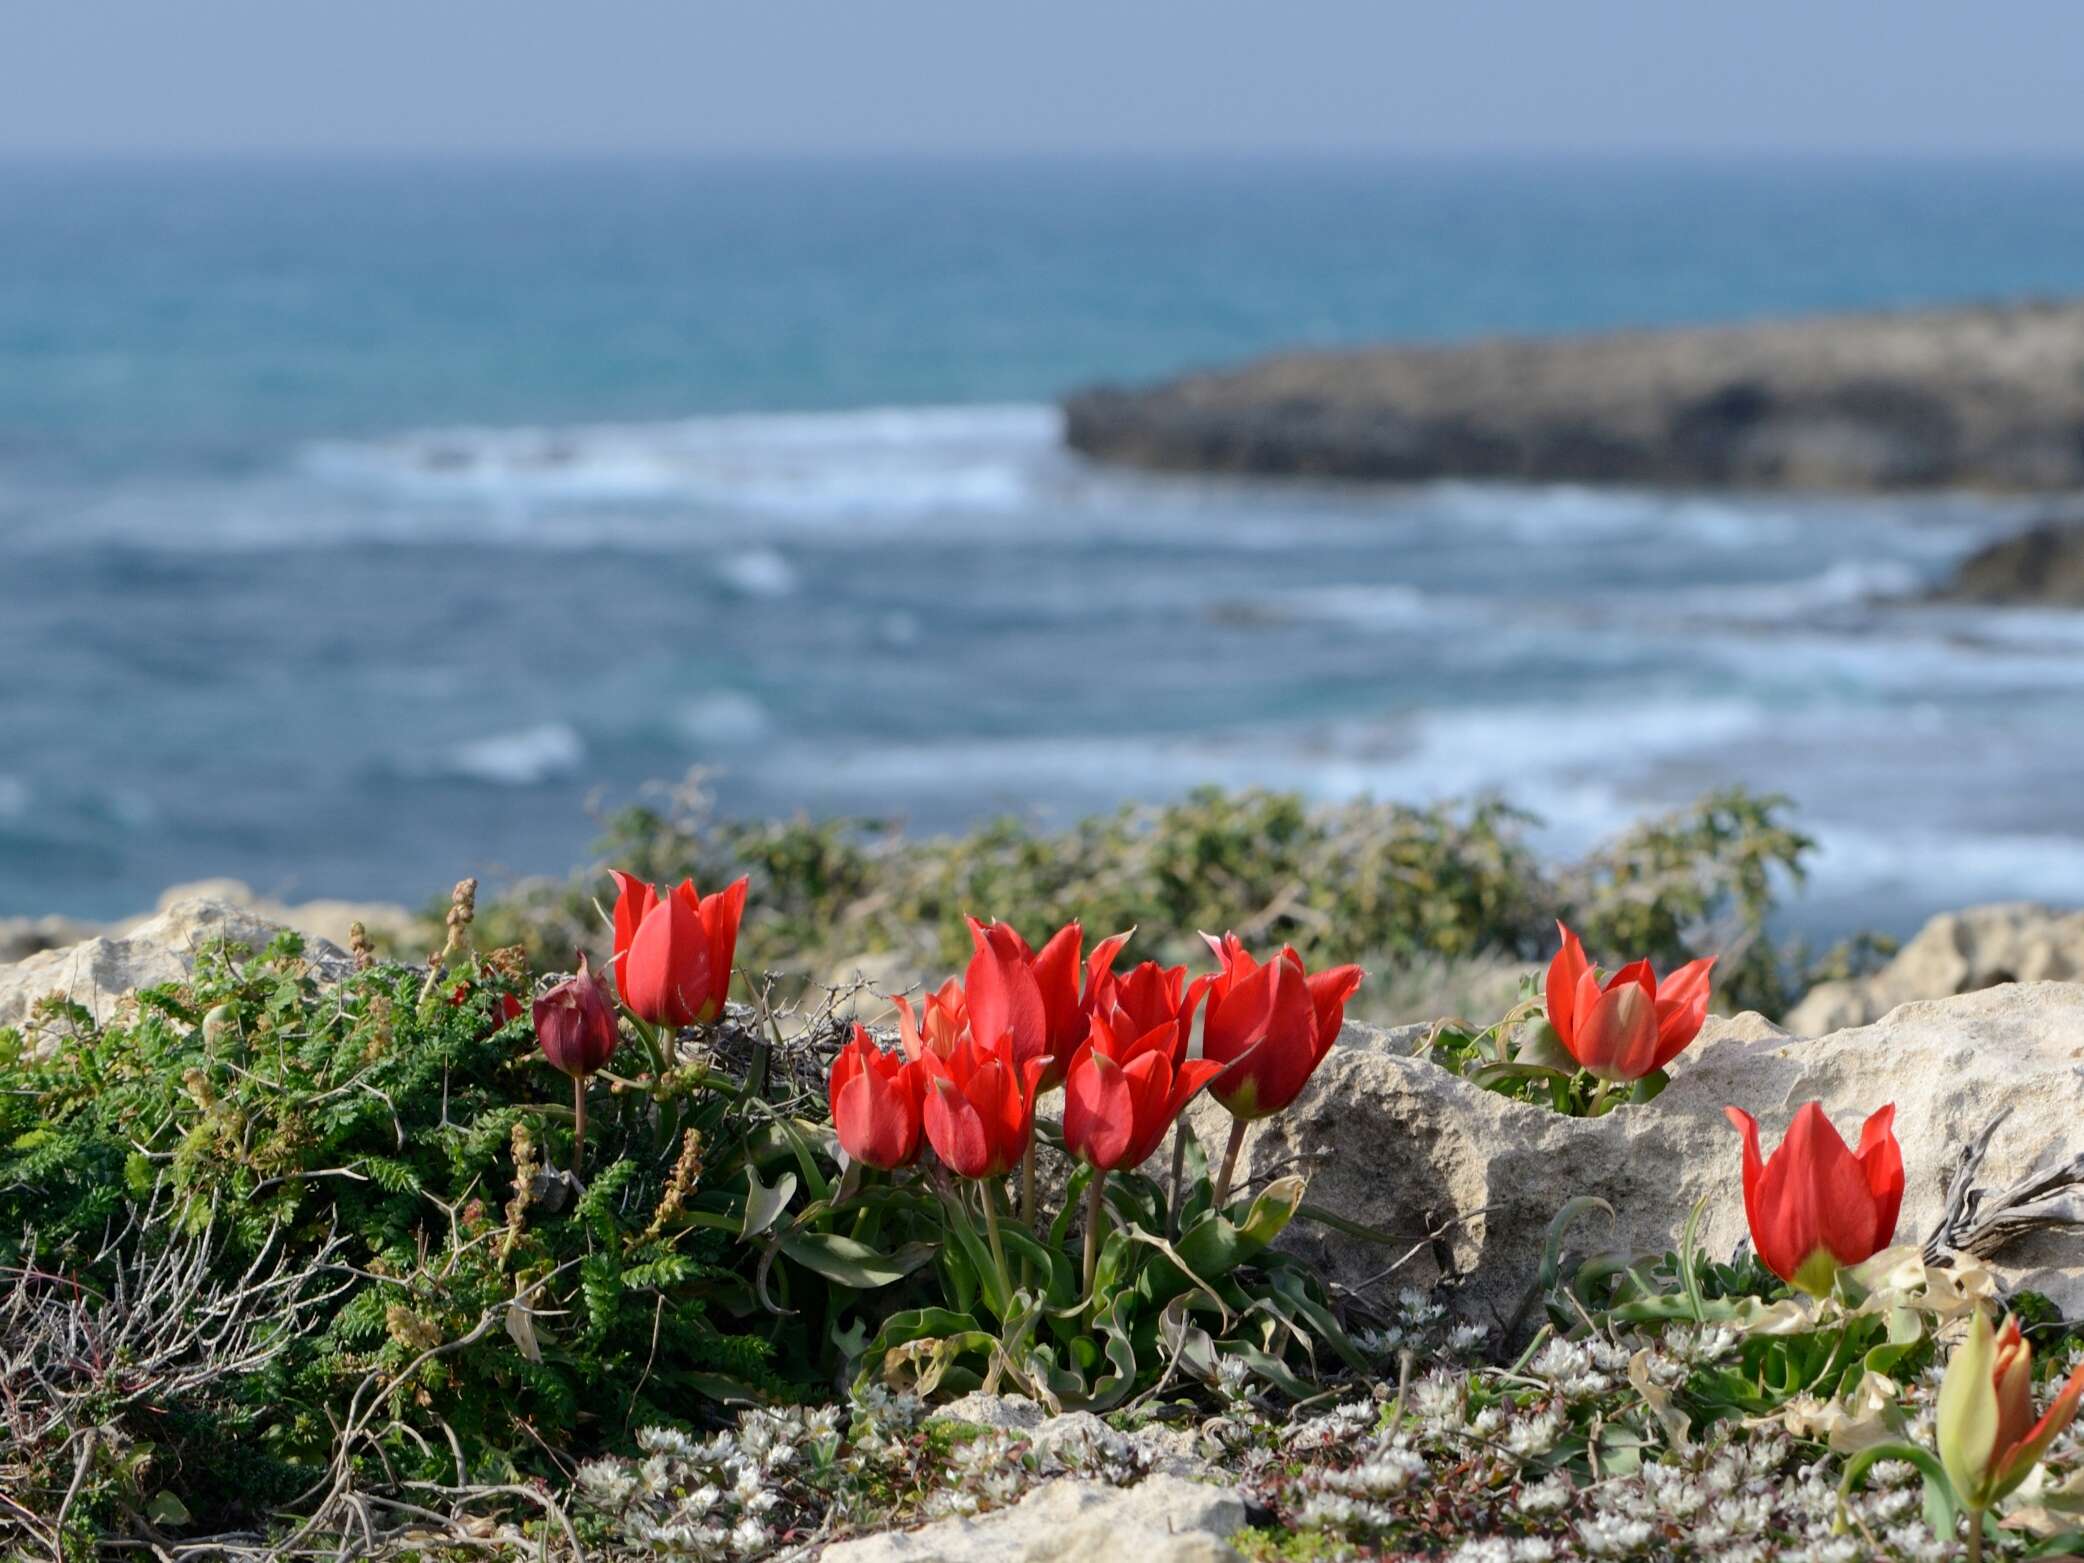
(1041, 76)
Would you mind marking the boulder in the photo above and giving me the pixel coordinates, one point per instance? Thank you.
(97, 972)
(1398, 1143)
(2042, 566)
(323, 919)
(1163, 1519)
(1956, 952)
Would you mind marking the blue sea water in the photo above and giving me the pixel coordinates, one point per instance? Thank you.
(364, 525)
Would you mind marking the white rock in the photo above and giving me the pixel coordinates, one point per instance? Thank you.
(97, 972)
(1165, 1519)
(1400, 1144)
(1956, 952)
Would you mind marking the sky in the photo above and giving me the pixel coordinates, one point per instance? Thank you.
(1040, 77)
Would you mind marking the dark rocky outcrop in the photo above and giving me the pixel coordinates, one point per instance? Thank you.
(1986, 396)
(2041, 566)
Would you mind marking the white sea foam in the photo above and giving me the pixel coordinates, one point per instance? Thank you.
(522, 758)
(726, 716)
(810, 466)
(758, 572)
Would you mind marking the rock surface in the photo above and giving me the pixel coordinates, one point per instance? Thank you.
(1406, 1147)
(1988, 396)
(1956, 952)
(99, 971)
(2042, 566)
(1163, 1519)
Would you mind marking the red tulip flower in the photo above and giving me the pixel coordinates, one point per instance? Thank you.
(1270, 1024)
(1121, 1094)
(943, 1021)
(1634, 1025)
(575, 1023)
(1037, 998)
(876, 1106)
(1989, 1441)
(673, 950)
(1816, 1206)
(980, 1106)
(1145, 999)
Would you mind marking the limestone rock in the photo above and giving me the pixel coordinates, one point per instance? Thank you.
(1956, 952)
(1165, 1519)
(1400, 1144)
(323, 919)
(21, 937)
(99, 971)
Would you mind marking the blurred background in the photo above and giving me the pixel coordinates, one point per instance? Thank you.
(421, 427)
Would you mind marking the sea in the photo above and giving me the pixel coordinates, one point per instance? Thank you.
(363, 525)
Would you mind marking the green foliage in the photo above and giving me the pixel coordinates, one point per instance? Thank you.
(401, 1142)
(1390, 886)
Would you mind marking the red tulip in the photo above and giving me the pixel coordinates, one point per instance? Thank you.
(1147, 997)
(1271, 1024)
(1037, 998)
(1632, 1026)
(1988, 1439)
(980, 1105)
(673, 951)
(1122, 1094)
(575, 1023)
(944, 1020)
(876, 1104)
(1816, 1205)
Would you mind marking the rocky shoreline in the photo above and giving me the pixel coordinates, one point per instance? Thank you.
(1985, 396)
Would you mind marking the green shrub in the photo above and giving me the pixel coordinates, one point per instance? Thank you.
(1394, 887)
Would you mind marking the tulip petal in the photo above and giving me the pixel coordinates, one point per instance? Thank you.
(2017, 1463)
(1099, 966)
(955, 1129)
(1057, 971)
(1005, 1000)
(1099, 1112)
(1682, 1008)
(721, 915)
(1968, 1415)
(1881, 1162)
(666, 978)
(1616, 1036)
(633, 900)
(1565, 970)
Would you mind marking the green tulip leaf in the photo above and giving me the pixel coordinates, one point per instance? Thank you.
(854, 1264)
(764, 1205)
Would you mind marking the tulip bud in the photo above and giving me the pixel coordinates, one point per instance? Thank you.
(575, 1022)
(876, 1106)
(1988, 1439)
(1817, 1205)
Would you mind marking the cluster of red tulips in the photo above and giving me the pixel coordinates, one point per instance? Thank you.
(981, 1050)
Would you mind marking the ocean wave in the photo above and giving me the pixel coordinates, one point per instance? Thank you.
(14, 797)
(525, 757)
(810, 466)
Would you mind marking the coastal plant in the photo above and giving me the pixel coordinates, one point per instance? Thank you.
(1416, 895)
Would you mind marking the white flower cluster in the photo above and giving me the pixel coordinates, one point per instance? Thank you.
(738, 1494)
(1420, 1326)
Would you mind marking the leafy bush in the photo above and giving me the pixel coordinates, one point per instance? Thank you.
(1393, 887)
(482, 1319)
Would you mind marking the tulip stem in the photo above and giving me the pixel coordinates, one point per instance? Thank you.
(991, 1231)
(578, 1124)
(1238, 1126)
(1975, 1536)
(1027, 1185)
(1095, 1219)
(1179, 1179)
(1599, 1098)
